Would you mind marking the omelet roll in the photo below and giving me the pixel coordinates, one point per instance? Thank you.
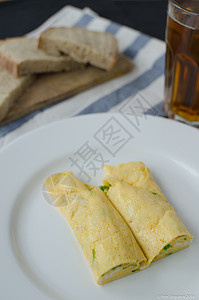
(153, 221)
(106, 240)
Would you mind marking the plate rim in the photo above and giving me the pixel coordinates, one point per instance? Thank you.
(54, 123)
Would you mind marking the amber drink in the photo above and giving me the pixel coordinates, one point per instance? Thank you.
(182, 61)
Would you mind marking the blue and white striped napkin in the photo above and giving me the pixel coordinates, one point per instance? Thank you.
(143, 86)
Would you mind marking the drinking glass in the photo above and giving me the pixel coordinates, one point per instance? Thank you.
(182, 61)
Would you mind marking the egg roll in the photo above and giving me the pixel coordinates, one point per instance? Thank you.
(154, 222)
(106, 240)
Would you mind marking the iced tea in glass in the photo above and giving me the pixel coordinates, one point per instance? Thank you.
(182, 61)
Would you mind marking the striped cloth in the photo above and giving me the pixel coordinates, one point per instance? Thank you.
(143, 86)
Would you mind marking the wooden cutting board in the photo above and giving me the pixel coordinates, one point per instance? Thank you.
(51, 88)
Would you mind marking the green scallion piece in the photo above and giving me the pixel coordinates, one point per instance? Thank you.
(116, 267)
(93, 252)
(135, 270)
(104, 188)
(167, 247)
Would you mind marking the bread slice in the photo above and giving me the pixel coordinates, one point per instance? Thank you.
(10, 89)
(20, 56)
(97, 48)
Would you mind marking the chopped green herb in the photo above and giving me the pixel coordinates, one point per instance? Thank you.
(154, 193)
(93, 252)
(104, 188)
(125, 268)
(135, 270)
(185, 239)
(116, 267)
(169, 253)
(167, 247)
(153, 260)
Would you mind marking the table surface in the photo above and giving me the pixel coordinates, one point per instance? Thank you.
(20, 17)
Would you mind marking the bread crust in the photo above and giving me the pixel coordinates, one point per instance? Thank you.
(11, 66)
(113, 59)
(32, 62)
(14, 95)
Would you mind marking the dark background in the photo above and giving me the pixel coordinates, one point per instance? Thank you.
(19, 17)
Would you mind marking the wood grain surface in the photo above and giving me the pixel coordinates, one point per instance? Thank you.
(51, 88)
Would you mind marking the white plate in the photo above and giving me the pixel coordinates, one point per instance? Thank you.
(39, 256)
